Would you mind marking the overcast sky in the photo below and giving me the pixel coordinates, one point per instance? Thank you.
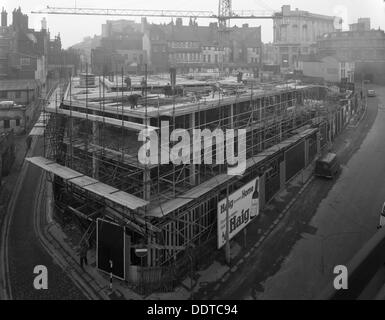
(74, 28)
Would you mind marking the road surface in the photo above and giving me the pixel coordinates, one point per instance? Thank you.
(25, 251)
(327, 225)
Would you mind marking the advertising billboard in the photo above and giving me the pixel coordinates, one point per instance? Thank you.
(243, 207)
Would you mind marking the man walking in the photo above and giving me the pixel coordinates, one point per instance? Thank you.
(382, 218)
(83, 255)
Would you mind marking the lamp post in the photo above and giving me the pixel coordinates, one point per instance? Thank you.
(327, 237)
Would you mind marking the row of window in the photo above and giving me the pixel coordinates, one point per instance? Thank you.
(186, 56)
(6, 94)
(195, 57)
(183, 44)
(7, 123)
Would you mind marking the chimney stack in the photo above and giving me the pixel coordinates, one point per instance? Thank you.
(44, 24)
(4, 15)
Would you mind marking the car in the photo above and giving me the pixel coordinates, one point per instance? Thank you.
(371, 93)
(328, 166)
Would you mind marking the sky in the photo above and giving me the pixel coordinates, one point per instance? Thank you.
(74, 28)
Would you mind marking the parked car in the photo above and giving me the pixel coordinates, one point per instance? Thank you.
(328, 166)
(371, 93)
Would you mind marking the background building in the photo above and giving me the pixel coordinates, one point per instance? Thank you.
(297, 33)
(362, 46)
(188, 48)
(330, 69)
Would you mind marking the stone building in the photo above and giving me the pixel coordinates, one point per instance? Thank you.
(362, 46)
(297, 33)
(329, 68)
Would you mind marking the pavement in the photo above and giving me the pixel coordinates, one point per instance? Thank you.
(20, 247)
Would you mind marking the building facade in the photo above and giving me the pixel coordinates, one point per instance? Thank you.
(368, 45)
(297, 33)
(188, 48)
(362, 46)
(329, 68)
(23, 51)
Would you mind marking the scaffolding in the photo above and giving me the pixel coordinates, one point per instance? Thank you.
(95, 134)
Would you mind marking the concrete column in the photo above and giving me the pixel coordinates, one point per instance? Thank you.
(306, 153)
(262, 191)
(127, 261)
(146, 175)
(232, 115)
(193, 171)
(95, 161)
(282, 174)
(318, 137)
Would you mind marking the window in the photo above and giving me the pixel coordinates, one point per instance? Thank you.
(17, 94)
(3, 94)
(6, 124)
(332, 70)
(17, 122)
(25, 61)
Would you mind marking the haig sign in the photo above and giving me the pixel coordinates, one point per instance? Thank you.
(243, 207)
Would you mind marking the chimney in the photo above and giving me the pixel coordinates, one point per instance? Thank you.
(179, 22)
(4, 14)
(44, 24)
(143, 24)
(286, 10)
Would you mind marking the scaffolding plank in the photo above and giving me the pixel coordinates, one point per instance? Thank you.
(37, 131)
(111, 121)
(83, 181)
(53, 167)
(87, 183)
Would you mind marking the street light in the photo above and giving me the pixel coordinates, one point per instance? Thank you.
(327, 237)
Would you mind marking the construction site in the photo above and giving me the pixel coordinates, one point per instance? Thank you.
(151, 223)
(153, 220)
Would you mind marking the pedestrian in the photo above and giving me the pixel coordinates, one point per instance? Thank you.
(143, 83)
(83, 255)
(28, 142)
(382, 218)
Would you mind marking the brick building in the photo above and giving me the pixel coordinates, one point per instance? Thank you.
(188, 48)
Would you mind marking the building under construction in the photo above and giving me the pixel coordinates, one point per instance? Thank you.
(152, 218)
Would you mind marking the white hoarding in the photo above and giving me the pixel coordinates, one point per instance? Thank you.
(243, 207)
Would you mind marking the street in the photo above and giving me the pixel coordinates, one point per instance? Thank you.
(327, 224)
(25, 251)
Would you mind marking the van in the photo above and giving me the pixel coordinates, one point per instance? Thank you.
(371, 93)
(328, 166)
